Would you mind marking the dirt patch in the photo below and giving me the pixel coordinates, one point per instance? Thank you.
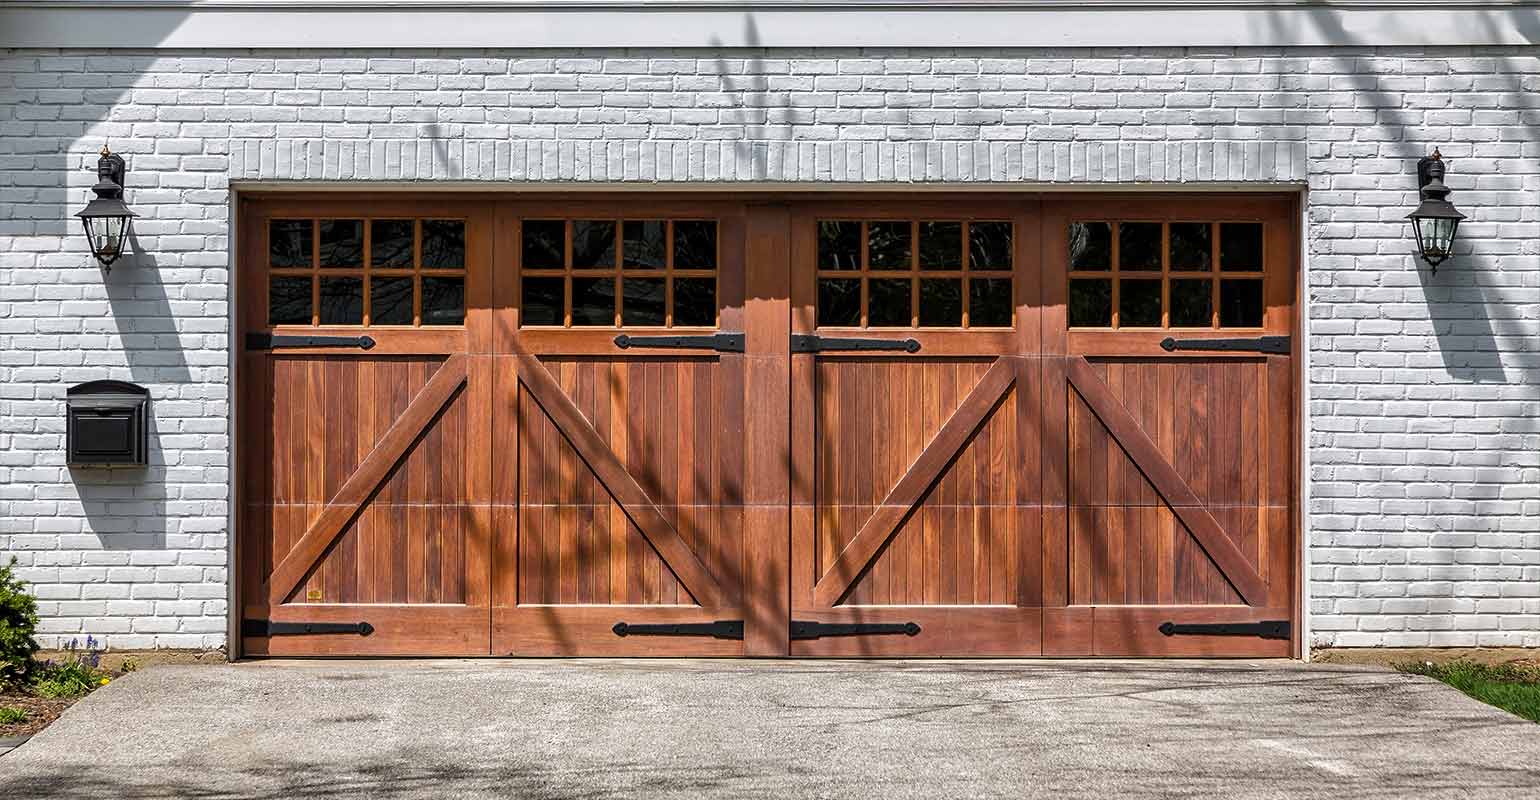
(1391, 656)
(113, 660)
(40, 712)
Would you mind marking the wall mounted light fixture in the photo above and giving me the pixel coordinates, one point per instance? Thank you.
(107, 218)
(1436, 219)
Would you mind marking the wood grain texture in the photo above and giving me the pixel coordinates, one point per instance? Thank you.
(1171, 485)
(588, 445)
(362, 482)
(923, 473)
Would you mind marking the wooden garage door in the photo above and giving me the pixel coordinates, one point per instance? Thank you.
(916, 387)
(365, 517)
(618, 496)
(1168, 417)
(710, 425)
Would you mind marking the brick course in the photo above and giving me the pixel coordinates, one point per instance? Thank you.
(1423, 428)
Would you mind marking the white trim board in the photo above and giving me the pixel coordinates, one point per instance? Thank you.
(536, 24)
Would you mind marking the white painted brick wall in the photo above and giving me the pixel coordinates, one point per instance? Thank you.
(1424, 418)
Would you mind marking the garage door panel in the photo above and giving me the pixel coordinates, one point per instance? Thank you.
(944, 555)
(394, 554)
(1205, 418)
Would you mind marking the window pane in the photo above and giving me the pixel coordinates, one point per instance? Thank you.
(544, 241)
(1191, 248)
(342, 242)
(1240, 245)
(390, 301)
(593, 244)
(288, 243)
(941, 301)
(989, 302)
(888, 303)
(342, 301)
(644, 244)
(443, 245)
(542, 303)
(940, 245)
(1090, 303)
(1139, 304)
(288, 301)
(390, 243)
(1240, 304)
(989, 245)
(645, 301)
(839, 302)
(1138, 245)
(695, 244)
(887, 245)
(1192, 303)
(695, 301)
(443, 301)
(839, 245)
(593, 301)
(1090, 246)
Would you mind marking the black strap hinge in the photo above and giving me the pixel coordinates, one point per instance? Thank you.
(721, 629)
(264, 627)
(812, 343)
(1277, 345)
(269, 341)
(1267, 629)
(720, 342)
(809, 629)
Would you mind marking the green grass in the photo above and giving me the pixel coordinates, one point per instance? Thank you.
(1515, 689)
(11, 716)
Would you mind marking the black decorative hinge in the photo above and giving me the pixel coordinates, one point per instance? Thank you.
(721, 629)
(1262, 344)
(269, 341)
(811, 343)
(808, 629)
(263, 627)
(720, 342)
(1268, 629)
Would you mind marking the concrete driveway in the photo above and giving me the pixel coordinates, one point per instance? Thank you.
(532, 729)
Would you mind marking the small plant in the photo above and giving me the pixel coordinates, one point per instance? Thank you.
(10, 715)
(18, 621)
(76, 674)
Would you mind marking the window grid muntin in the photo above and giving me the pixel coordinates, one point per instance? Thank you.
(617, 272)
(1214, 274)
(964, 272)
(365, 271)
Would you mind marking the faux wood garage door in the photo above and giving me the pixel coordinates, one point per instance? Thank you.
(707, 425)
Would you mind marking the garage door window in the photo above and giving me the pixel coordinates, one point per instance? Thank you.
(371, 272)
(1133, 274)
(914, 273)
(626, 273)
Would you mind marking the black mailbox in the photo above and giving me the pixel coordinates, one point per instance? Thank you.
(107, 423)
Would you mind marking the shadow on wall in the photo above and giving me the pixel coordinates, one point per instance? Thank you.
(1475, 312)
(126, 507)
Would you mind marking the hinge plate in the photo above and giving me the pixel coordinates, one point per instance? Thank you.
(721, 629)
(812, 343)
(264, 627)
(1266, 629)
(720, 342)
(802, 629)
(271, 341)
(1275, 345)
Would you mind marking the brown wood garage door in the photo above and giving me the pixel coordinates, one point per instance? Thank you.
(674, 424)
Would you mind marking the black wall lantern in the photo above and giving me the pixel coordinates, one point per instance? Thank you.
(107, 218)
(1435, 219)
